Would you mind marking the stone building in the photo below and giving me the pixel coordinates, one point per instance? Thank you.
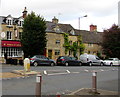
(11, 31)
(10, 35)
(92, 39)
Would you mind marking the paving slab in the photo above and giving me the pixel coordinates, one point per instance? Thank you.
(87, 92)
(22, 72)
(9, 75)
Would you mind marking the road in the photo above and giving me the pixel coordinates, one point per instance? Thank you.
(61, 79)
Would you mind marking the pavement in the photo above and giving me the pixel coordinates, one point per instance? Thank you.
(84, 92)
(88, 92)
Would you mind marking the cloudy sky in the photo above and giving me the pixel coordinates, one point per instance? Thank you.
(103, 13)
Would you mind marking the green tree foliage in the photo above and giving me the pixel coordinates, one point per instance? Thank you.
(81, 46)
(111, 42)
(34, 35)
(66, 44)
(74, 48)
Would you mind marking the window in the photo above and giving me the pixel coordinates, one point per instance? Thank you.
(11, 51)
(72, 32)
(57, 52)
(57, 41)
(9, 22)
(20, 23)
(9, 35)
(88, 52)
(90, 45)
(20, 35)
(70, 42)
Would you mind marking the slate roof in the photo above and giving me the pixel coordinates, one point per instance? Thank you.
(87, 36)
(90, 37)
(62, 27)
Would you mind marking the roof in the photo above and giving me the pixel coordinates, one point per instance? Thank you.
(87, 36)
(90, 37)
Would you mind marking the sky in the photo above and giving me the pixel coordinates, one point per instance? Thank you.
(103, 13)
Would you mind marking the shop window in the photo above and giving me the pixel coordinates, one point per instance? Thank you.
(9, 35)
(57, 52)
(11, 51)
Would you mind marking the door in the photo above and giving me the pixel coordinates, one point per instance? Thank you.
(50, 54)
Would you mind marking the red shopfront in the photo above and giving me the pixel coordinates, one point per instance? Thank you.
(12, 48)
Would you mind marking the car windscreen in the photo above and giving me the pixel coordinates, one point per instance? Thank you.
(110, 59)
(73, 58)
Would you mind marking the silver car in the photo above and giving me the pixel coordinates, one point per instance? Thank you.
(112, 61)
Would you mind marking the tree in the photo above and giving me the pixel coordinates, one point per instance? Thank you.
(34, 35)
(111, 42)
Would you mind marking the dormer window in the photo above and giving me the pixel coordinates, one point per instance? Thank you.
(9, 20)
(72, 32)
(20, 23)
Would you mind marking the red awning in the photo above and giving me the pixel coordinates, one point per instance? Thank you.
(6, 43)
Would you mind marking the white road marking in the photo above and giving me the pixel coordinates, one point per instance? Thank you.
(68, 71)
(45, 72)
(75, 72)
(101, 70)
(57, 73)
(86, 70)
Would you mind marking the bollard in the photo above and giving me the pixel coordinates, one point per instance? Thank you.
(94, 82)
(38, 85)
(26, 65)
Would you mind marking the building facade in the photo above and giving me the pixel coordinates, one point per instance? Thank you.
(10, 35)
(11, 31)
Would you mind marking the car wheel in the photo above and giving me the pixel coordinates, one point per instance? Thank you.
(35, 64)
(90, 63)
(66, 64)
(111, 64)
(101, 64)
(80, 64)
(52, 64)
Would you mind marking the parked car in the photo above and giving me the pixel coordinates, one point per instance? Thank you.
(41, 60)
(66, 60)
(112, 61)
(90, 59)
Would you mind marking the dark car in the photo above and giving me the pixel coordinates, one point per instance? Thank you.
(66, 60)
(41, 60)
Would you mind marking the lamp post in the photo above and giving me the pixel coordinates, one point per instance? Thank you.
(79, 20)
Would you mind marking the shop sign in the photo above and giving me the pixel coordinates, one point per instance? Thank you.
(10, 43)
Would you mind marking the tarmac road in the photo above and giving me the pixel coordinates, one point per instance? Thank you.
(61, 79)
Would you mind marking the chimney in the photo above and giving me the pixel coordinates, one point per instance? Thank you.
(93, 28)
(55, 20)
(24, 12)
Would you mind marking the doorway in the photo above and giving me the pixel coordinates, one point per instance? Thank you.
(50, 54)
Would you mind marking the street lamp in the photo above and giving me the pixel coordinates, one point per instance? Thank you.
(79, 20)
